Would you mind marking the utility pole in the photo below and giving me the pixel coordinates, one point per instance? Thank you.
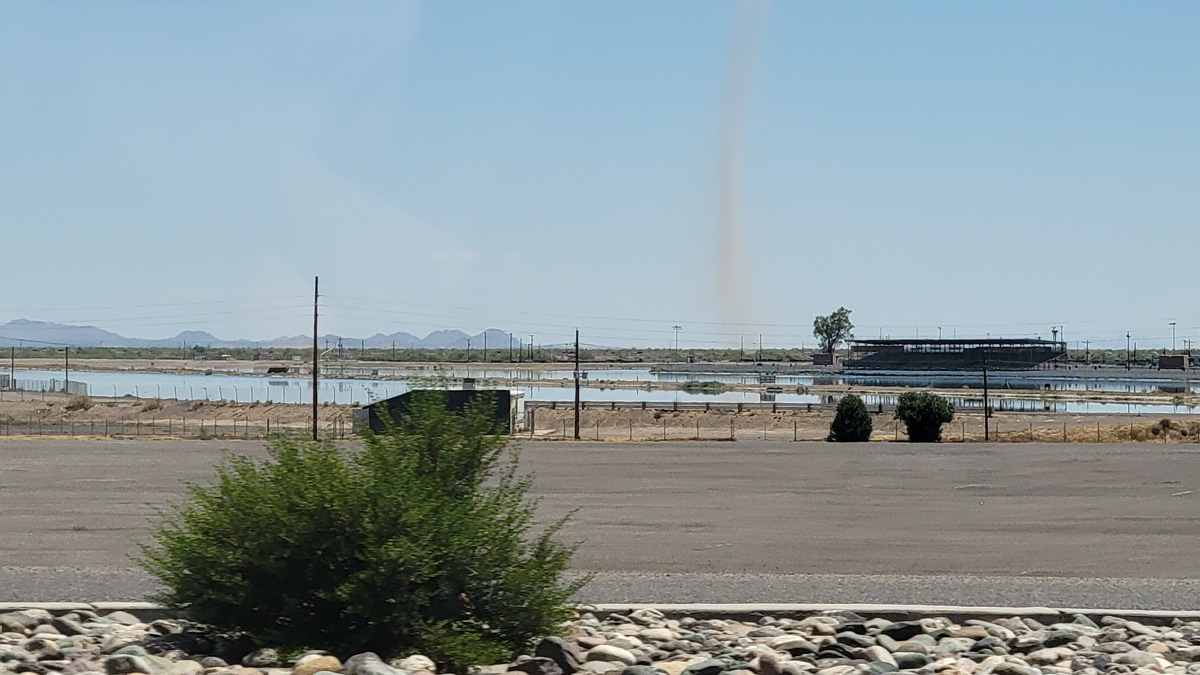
(520, 350)
(510, 348)
(676, 328)
(66, 370)
(12, 367)
(1172, 337)
(316, 367)
(468, 350)
(531, 347)
(393, 350)
(986, 425)
(1126, 350)
(760, 349)
(576, 384)
(1087, 352)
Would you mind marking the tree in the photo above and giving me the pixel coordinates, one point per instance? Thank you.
(851, 422)
(923, 414)
(833, 330)
(420, 540)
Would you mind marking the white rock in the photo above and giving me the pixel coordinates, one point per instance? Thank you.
(612, 654)
(417, 662)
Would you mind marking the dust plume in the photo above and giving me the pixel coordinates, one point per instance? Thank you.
(733, 287)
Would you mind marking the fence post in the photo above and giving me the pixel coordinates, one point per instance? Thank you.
(106, 428)
(664, 428)
(1097, 432)
(697, 428)
(795, 431)
(731, 421)
(1064, 432)
(631, 428)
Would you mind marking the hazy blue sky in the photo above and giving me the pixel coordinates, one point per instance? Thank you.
(533, 166)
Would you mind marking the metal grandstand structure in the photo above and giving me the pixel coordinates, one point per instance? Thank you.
(948, 355)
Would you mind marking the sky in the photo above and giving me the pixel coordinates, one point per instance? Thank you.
(986, 168)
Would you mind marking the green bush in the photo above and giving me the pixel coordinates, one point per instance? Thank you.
(420, 541)
(923, 414)
(851, 422)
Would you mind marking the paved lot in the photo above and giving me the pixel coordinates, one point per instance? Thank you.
(777, 521)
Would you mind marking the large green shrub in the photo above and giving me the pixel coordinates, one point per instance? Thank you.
(923, 414)
(419, 541)
(851, 423)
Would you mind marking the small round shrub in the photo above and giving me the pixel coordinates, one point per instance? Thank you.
(419, 541)
(923, 414)
(851, 422)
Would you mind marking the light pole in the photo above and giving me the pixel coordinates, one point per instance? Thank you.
(939, 332)
(676, 328)
(531, 347)
(1172, 325)
(1126, 350)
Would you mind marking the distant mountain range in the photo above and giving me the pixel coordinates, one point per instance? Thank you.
(34, 333)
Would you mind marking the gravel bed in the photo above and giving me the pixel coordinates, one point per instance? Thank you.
(642, 642)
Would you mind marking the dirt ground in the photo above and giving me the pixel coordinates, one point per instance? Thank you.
(49, 414)
(810, 426)
(46, 413)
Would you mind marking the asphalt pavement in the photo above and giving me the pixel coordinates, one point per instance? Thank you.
(1088, 525)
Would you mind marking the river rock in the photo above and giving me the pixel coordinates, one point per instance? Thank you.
(706, 667)
(315, 663)
(611, 653)
(568, 657)
(261, 658)
(539, 665)
(902, 630)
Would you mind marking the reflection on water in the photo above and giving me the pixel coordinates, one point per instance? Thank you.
(247, 388)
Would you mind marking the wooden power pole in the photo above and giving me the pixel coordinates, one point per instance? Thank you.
(576, 384)
(316, 368)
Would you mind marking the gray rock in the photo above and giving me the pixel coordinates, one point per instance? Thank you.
(122, 664)
(1058, 638)
(903, 630)
(707, 667)
(68, 626)
(213, 662)
(78, 665)
(856, 640)
(185, 667)
(566, 655)
(766, 631)
(132, 650)
(1049, 656)
(601, 668)
(1136, 658)
(794, 645)
(261, 658)
(768, 664)
(1008, 668)
(124, 618)
(368, 663)
(539, 665)
(609, 653)
(18, 622)
(642, 670)
(43, 650)
(887, 643)
(909, 660)
(877, 653)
